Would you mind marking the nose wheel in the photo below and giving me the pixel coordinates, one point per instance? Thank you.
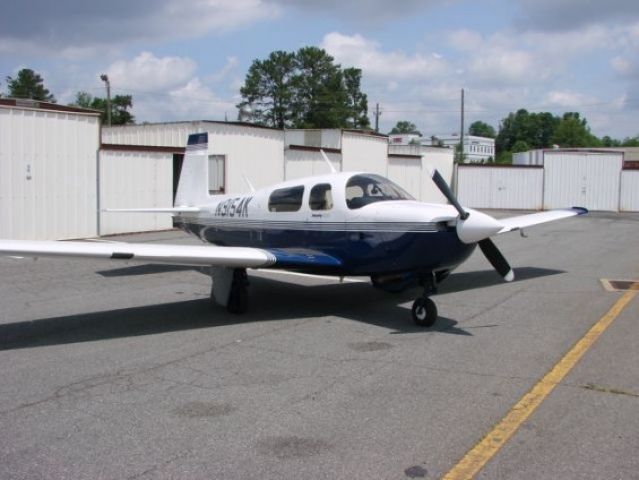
(424, 312)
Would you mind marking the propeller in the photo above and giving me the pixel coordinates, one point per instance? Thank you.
(448, 193)
(496, 259)
(477, 228)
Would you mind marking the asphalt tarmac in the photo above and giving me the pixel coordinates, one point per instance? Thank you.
(115, 371)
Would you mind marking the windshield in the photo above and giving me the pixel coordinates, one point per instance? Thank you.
(365, 189)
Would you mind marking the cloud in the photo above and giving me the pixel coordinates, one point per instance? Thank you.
(147, 72)
(562, 15)
(371, 11)
(168, 88)
(77, 24)
(355, 50)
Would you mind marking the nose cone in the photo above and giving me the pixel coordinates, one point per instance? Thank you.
(477, 227)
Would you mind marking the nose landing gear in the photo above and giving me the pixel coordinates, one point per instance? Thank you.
(424, 310)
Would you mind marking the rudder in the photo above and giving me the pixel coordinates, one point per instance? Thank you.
(193, 189)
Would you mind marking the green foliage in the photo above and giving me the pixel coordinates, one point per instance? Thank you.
(120, 105)
(631, 142)
(573, 131)
(29, 84)
(406, 127)
(357, 102)
(504, 157)
(520, 146)
(536, 129)
(606, 141)
(481, 129)
(305, 89)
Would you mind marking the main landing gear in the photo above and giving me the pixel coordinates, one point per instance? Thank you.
(238, 298)
(424, 310)
(230, 288)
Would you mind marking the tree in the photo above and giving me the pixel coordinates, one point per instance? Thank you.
(268, 91)
(305, 89)
(573, 131)
(520, 146)
(631, 142)
(29, 84)
(481, 129)
(120, 105)
(321, 97)
(536, 129)
(357, 102)
(607, 141)
(404, 126)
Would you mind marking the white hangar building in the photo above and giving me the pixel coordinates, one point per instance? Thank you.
(48, 167)
(240, 153)
(59, 169)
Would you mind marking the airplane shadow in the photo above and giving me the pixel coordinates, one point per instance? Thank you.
(270, 300)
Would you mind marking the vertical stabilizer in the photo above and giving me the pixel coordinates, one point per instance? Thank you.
(193, 187)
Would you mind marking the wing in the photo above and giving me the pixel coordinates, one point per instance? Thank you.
(194, 255)
(524, 221)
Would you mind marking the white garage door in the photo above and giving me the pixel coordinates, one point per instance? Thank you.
(582, 179)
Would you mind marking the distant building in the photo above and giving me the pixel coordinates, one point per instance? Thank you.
(476, 149)
(404, 139)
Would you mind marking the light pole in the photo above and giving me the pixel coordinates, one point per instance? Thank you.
(245, 114)
(105, 79)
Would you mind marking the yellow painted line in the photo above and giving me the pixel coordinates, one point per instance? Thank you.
(488, 446)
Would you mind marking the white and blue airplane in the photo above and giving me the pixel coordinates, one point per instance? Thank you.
(339, 224)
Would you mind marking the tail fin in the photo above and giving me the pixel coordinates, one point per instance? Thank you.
(193, 188)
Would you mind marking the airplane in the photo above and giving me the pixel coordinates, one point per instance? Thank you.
(339, 224)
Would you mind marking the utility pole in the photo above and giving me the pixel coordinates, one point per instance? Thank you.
(461, 131)
(105, 79)
(377, 114)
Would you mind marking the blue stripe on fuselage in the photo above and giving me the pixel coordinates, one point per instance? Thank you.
(356, 253)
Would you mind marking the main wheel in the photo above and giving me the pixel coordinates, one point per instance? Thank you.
(424, 312)
(238, 300)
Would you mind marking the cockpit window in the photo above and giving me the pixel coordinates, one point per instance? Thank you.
(365, 189)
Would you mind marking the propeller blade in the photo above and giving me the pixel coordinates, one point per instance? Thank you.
(496, 259)
(448, 193)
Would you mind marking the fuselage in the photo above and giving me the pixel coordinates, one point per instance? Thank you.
(370, 225)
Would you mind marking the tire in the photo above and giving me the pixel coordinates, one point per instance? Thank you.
(238, 301)
(424, 312)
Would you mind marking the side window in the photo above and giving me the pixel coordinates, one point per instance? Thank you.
(216, 173)
(286, 199)
(321, 197)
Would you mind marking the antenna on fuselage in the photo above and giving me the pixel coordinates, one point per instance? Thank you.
(248, 183)
(330, 165)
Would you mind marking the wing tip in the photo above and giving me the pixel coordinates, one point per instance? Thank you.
(580, 210)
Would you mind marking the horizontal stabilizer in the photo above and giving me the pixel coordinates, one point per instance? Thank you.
(524, 221)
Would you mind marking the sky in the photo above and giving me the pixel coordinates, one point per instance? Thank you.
(187, 59)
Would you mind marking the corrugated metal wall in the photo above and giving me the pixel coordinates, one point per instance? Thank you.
(407, 172)
(364, 153)
(135, 180)
(48, 186)
(305, 163)
(325, 138)
(158, 135)
(584, 179)
(500, 187)
(257, 153)
(629, 198)
(440, 159)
